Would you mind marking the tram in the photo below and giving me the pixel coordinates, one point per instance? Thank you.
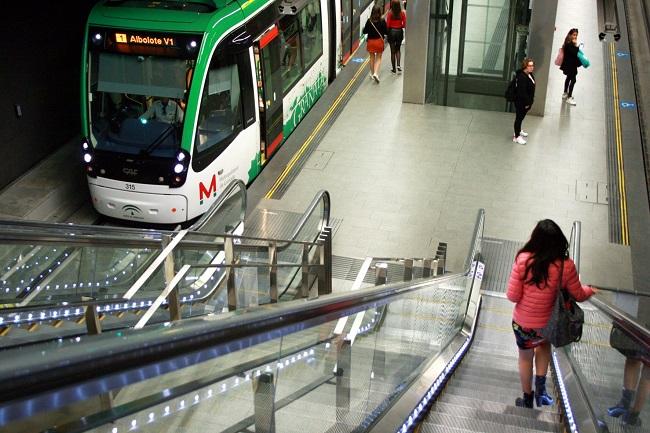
(179, 98)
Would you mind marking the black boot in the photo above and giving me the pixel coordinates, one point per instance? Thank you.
(526, 401)
(541, 396)
(623, 405)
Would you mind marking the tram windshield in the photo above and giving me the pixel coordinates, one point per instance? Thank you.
(137, 102)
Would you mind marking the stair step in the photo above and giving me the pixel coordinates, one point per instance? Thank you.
(499, 408)
(500, 418)
(474, 425)
(502, 397)
(467, 378)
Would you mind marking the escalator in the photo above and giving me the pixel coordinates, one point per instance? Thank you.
(428, 354)
(63, 281)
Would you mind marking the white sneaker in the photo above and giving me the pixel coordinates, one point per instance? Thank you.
(565, 95)
(571, 101)
(523, 133)
(376, 78)
(519, 140)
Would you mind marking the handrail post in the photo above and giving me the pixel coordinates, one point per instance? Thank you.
(327, 288)
(426, 267)
(229, 250)
(320, 269)
(343, 371)
(408, 269)
(264, 403)
(325, 262)
(93, 325)
(380, 273)
(575, 250)
(273, 272)
(304, 282)
(172, 299)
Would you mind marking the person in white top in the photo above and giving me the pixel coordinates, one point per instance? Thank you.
(164, 110)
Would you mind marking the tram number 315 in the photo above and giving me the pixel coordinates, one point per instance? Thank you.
(129, 186)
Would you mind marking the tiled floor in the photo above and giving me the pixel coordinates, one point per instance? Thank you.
(403, 176)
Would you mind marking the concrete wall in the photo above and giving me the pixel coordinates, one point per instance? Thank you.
(41, 56)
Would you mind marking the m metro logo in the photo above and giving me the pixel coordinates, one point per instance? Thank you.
(120, 38)
(211, 191)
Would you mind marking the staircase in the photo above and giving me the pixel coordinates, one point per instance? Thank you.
(480, 396)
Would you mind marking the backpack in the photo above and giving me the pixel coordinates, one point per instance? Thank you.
(511, 91)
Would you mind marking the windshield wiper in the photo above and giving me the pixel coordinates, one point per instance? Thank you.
(154, 144)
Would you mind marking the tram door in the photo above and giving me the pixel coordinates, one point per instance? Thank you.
(269, 87)
(346, 30)
(350, 27)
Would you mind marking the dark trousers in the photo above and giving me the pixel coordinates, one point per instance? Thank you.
(521, 111)
(569, 82)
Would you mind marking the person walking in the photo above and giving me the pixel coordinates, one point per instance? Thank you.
(570, 65)
(524, 96)
(376, 30)
(535, 276)
(396, 23)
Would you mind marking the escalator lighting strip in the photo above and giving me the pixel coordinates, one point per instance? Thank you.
(182, 402)
(570, 420)
(434, 390)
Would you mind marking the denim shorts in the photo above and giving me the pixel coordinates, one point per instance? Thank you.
(527, 338)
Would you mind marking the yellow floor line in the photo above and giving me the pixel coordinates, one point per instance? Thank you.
(311, 137)
(619, 150)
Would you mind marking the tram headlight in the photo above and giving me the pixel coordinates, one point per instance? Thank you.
(191, 46)
(88, 158)
(97, 39)
(179, 169)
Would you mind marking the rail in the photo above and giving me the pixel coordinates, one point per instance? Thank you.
(57, 376)
(582, 384)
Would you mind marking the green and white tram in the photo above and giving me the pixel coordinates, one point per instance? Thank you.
(179, 98)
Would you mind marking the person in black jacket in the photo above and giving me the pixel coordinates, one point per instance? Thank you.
(376, 30)
(570, 64)
(524, 96)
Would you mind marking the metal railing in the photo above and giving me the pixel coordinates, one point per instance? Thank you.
(96, 365)
(78, 237)
(580, 387)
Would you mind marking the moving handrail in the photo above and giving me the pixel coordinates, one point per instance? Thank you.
(235, 185)
(47, 377)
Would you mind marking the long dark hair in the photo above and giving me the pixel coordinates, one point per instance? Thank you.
(375, 15)
(547, 243)
(567, 39)
(396, 8)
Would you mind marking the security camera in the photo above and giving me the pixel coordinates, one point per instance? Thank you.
(601, 36)
(617, 36)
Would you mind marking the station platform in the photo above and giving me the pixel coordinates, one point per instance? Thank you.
(404, 177)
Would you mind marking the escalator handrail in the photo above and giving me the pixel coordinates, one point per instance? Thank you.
(46, 228)
(631, 326)
(323, 196)
(629, 323)
(234, 184)
(47, 371)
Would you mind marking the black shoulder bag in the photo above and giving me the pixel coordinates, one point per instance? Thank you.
(565, 324)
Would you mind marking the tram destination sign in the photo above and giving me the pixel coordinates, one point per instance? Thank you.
(144, 43)
(158, 41)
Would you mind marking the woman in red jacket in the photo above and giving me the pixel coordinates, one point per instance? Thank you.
(533, 288)
(396, 23)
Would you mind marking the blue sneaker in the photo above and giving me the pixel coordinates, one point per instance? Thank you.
(623, 405)
(541, 396)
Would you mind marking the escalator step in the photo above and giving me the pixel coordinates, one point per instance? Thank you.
(504, 418)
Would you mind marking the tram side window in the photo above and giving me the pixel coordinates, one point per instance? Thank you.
(220, 113)
(312, 33)
(291, 56)
(302, 42)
